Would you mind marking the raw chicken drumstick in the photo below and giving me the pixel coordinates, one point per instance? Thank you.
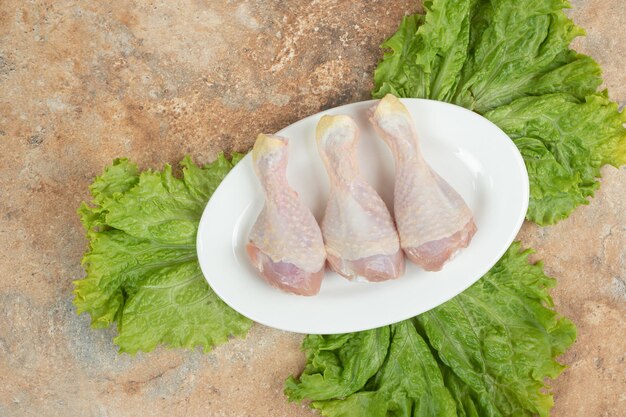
(359, 234)
(286, 245)
(433, 220)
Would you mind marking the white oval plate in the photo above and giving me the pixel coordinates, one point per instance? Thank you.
(467, 150)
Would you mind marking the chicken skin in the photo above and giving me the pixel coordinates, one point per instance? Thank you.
(359, 233)
(285, 243)
(433, 220)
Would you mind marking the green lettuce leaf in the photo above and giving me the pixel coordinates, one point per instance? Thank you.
(175, 306)
(484, 353)
(397, 73)
(339, 365)
(516, 51)
(501, 57)
(142, 269)
(375, 373)
(565, 141)
(424, 57)
(117, 178)
(500, 339)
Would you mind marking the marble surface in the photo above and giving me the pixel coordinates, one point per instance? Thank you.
(84, 82)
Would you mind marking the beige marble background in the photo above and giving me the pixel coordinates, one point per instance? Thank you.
(83, 82)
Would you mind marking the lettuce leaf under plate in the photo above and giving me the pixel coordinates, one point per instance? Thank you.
(142, 268)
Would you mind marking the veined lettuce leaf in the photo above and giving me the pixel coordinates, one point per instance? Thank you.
(424, 57)
(375, 373)
(116, 179)
(500, 57)
(142, 269)
(517, 50)
(500, 338)
(565, 141)
(484, 353)
(339, 365)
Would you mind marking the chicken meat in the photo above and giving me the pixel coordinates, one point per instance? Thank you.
(433, 220)
(285, 243)
(359, 233)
